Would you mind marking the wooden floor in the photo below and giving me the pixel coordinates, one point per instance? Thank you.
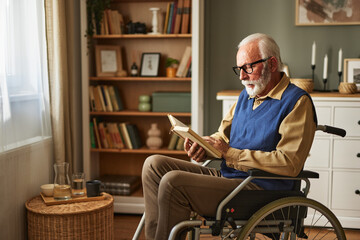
(125, 226)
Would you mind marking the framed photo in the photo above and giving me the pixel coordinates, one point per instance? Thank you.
(324, 12)
(352, 71)
(108, 60)
(150, 64)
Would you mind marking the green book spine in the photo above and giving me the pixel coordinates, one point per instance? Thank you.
(92, 135)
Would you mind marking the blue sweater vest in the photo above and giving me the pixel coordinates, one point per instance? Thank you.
(259, 130)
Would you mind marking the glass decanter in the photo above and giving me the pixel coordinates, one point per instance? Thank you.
(62, 184)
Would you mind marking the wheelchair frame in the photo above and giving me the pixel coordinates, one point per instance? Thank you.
(247, 228)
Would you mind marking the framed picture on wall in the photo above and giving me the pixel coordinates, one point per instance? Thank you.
(324, 12)
(108, 60)
(150, 64)
(352, 71)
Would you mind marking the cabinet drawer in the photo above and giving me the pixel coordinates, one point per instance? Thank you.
(344, 186)
(319, 154)
(323, 117)
(346, 153)
(349, 119)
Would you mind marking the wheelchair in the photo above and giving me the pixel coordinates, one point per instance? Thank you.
(266, 214)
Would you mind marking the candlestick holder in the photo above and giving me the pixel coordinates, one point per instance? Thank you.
(154, 21)
(324, 81)
(313, 72)
(340, 74)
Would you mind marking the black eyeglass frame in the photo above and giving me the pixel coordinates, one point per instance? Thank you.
(243, 67)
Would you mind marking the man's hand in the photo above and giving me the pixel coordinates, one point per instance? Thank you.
(219, 144)
(194, 150)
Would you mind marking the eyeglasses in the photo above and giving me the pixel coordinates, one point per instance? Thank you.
(248, 67)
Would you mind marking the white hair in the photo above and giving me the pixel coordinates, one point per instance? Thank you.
(267, 46)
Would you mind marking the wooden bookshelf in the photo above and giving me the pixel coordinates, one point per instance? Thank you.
(102, 161)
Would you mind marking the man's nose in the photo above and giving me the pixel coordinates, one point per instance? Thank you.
(243, 75)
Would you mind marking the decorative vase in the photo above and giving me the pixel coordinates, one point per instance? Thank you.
(144, 103)
(154, 140)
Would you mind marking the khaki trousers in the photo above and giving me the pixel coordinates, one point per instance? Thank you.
(173, 188)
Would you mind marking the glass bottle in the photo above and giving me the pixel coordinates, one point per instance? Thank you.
(62, 184)
(134, 70)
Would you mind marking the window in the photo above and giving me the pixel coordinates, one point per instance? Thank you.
(24, 90)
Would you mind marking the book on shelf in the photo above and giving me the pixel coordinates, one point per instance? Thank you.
(173, 140)
(92, 98)
(115, 134)
(120, 184)
(168, 30)
(185, 17)
(115, 98)
(109, 106)
(167, 18)
(134, 136)
(124, 132)
(180, 144)
(184, 131)
(97, 134)
(95, 93)
(100, 95)
(184, 61)
(92, 136)
(102, 134)
(178, 16)
(173, 17)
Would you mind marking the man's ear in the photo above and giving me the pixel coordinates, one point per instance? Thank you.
(273, 64)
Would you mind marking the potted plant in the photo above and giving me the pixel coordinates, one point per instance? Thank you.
(95, 12)
(171, 67)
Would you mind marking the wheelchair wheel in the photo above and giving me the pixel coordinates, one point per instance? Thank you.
(293, 218)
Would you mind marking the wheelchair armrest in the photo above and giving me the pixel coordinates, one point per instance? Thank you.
(303, 174)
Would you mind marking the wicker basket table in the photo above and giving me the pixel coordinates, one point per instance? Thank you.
(81, 220)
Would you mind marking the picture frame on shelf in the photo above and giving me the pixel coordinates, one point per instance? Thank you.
(352, 71)
(322, 12)
(108, 60)
(150, 64)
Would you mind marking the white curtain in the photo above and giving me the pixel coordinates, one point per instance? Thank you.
(24, 90)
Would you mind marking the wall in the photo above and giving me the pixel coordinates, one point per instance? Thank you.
(226, 24)
(22, 172)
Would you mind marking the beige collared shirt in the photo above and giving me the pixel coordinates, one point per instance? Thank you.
(297, 133)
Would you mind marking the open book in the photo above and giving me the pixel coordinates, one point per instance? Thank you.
(184, 131)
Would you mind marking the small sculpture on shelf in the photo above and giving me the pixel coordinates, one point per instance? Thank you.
(154, 140)
(134, 72)
(144, 103)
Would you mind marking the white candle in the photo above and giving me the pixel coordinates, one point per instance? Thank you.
(340, 61)
(313, 53)
(325, 67)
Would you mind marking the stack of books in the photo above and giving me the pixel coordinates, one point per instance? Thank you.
(119, 184)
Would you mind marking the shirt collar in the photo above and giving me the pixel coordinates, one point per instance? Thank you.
(278, 90)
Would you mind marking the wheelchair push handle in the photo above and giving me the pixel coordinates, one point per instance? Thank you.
(332, 130)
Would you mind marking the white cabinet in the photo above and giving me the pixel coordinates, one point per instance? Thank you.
(336, 159)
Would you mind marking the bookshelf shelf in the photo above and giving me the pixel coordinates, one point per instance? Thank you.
(142, 150)
(141, 36)
(139, 114)
(142, 79)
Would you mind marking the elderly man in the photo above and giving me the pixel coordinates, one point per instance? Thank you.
(271, 127)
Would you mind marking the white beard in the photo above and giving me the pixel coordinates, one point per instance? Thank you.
(259, 85)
